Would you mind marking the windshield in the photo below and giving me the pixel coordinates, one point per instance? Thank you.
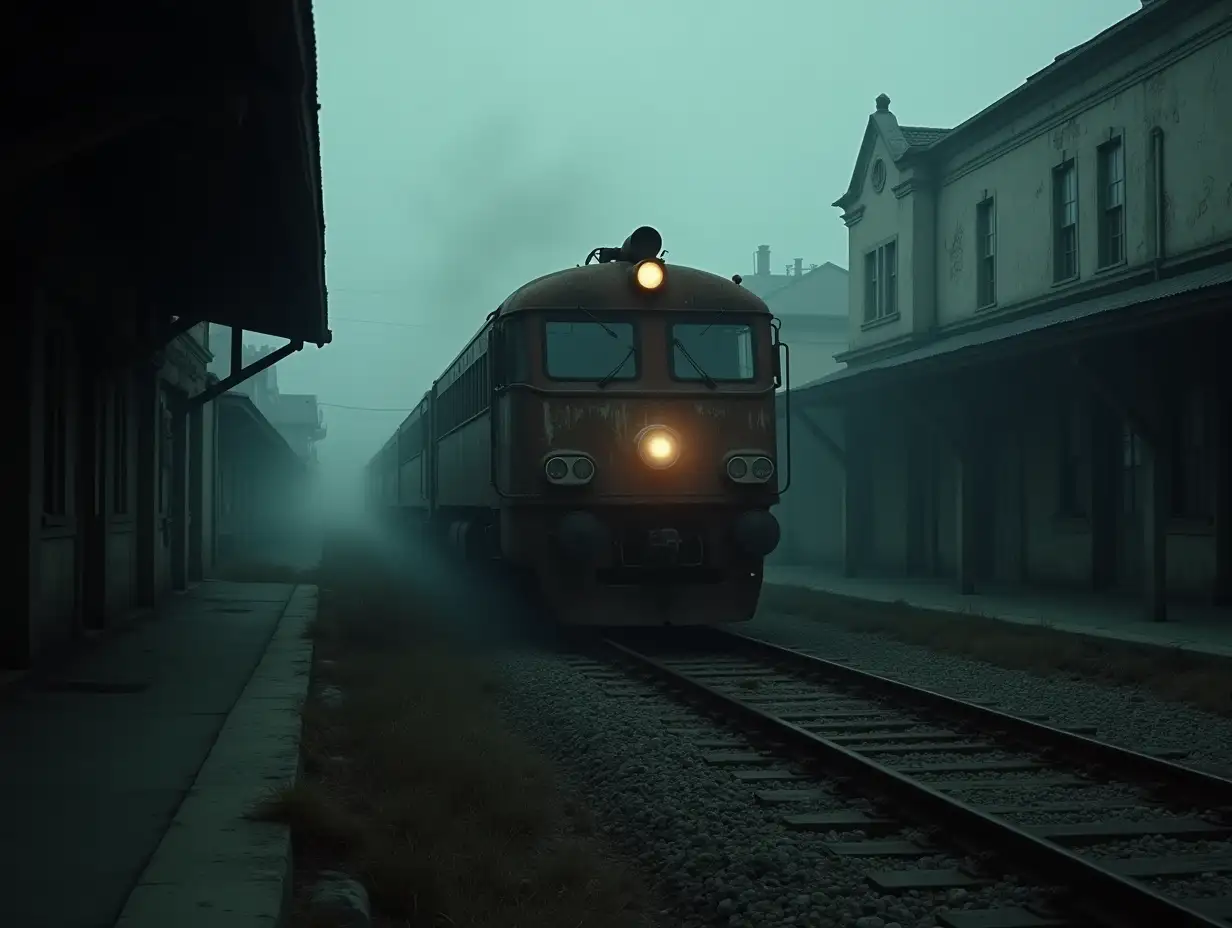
(590, 351)
(724, 352)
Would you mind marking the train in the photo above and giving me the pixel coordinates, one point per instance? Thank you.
(609, 434)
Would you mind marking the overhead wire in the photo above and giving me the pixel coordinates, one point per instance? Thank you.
(367, 408)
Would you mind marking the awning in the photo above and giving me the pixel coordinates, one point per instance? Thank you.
(1160, 301)
(177, 147)
(242, 422)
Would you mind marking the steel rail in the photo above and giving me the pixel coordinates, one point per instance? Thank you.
(1213, 789)
(1099, 893)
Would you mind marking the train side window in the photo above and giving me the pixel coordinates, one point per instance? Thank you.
(725, 351)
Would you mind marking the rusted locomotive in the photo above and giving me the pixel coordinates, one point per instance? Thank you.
(609, 430)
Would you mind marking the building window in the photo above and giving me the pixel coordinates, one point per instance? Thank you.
(1065, 221)
(1193, 484)
(881, 282)
(120, 448)
(986, 235)
(1074, 484)
(55, 424)
(1111, 203)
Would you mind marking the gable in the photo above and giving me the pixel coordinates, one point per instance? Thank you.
(900, 143)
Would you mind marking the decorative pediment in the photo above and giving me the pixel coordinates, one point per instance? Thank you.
(900, 142)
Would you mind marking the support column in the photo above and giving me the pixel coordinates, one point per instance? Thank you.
(148, 423)
(1137, 399)
(1222, 592)
(23, 505)
(196, 493)
(179, 512)
(1156, 471)
(855, 481)
(966, 523)
(950, 422)
(1105, 458)
(90, 480)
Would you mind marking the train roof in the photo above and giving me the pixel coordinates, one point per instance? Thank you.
(611, 286)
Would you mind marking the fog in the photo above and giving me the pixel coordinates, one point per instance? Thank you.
(469, 147)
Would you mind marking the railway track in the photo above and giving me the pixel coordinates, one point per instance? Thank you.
(1148, 844)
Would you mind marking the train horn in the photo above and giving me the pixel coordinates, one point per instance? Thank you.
(644, 243)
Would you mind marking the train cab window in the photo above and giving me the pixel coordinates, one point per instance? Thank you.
(724, 351)
(590, 350)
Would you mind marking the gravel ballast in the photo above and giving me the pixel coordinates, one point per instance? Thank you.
(1122, 715)
(720, 858)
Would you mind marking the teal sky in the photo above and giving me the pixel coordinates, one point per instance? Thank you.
(470, 146)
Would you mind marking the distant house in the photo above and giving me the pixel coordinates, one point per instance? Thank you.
(296, 416)
(811, 304)
(266, 462)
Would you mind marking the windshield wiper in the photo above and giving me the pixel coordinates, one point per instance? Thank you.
(706, 378)
(611, 375)
(599, 322)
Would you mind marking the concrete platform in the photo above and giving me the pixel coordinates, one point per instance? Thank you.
(126, 774)
(1191, 627)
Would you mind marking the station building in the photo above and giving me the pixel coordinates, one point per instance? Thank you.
(1036, 387)
(143, 202)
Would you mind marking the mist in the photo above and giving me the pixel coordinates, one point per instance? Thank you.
(470, 147)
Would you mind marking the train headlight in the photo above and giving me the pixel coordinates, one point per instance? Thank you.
(737, 468)
(658, 446)
(649, 275)
(763, 468)
(556, 468)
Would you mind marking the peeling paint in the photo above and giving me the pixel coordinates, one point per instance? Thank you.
(549, 430)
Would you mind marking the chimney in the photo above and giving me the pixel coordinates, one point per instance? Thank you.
(763, 260)
(799, 267)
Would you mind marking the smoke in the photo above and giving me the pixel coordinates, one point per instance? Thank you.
(507, 205)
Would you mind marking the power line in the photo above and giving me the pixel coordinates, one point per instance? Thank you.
(368, 408)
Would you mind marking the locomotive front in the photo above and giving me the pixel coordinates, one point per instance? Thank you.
(634, 444)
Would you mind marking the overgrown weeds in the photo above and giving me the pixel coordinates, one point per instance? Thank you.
(1174, 674)
(415, 786)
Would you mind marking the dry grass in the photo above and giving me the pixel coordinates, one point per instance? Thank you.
(415, 786)
(1180, 676)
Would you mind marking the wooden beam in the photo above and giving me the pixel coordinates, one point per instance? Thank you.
(218, 389)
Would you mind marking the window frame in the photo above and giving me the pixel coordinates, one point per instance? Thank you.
(754, 345)
(986, 252)
(1115, 148)
(1068, 167)
(884, 279)
(636, 342)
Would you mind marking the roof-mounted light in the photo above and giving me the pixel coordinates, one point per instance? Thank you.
(649, 274)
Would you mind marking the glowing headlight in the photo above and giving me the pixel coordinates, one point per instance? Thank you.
(649, 275)
(658, 446)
